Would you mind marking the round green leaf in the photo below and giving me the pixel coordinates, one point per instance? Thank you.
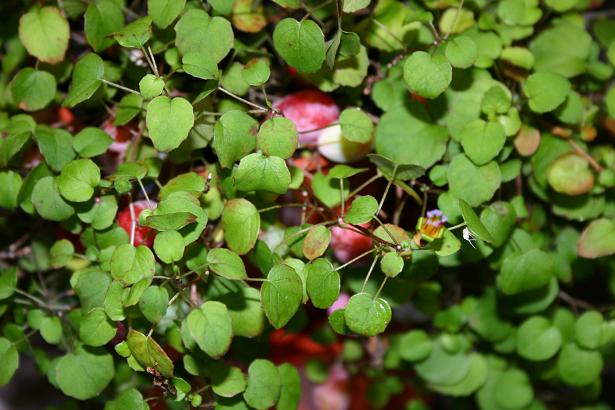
(281, 294)
(102, 18)
(415, 346)
(78, 180)
(570, 175)
(427, 75)
(61, 253)
(290, 394)
(241, 224)
(169, 246)
(44, 32)
(356, 125)
(227, 381)
(167, 135)
(525, 271)
(128, 108)
(537, 339)
(33, 89)
(499, 219)
(91, 142)
(598, 239)
(48, 202)
(129, 264)
(482, 141)
(323, 283)
(316, 242)
(234, 137)
(367, 316)
(135, 34)
(256, 71)
(577, 366)
(442, 367)
(257, 172)
(85, 373)
(391, 264)
(588, 330)
(210, 327)
(278, 136)
(151, 86)
(513, 389)
(95, 329)
(148, 353)
(245, 310)
(226, 263)
(461, 52)
(86, 79)
(200, 65)
(463, 174)
(10, 186)
(195, 31)
(301, 44)
(362, 210)
(153, 303)
(546, 91)
(164, 12)
(8, 282)
(264, 385)
(9, 360)
(476, 377)
(56, 146)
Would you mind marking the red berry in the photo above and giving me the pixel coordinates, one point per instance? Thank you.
(143, 235)
(348, 244)
(308, 109)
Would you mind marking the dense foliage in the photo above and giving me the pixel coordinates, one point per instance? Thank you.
(178, 214)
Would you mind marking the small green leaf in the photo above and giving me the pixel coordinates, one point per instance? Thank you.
(151, 86)
(129, 107)
(84, 373)
(391, 264)
(327, 189)
(227, 381)
(135, 34)
(164, 12)
(95, 329)
(241, 225)
(10, 186)
(538, 339)
(44, 32)
(482, 141)
(281, 294)
(200, 65)
(166, 135)
(513, 389)
(589, 330)
(367, 316)
(9, 360)
(91, 142)
(257, 172)
(61, 253)
(463, 174)
(579, 367)
(169, 246)
(226, 263)
(256, 71)
(56, 145)
(362, 210)
(461, 51)
(48, 202)
(129, 264)
(264, 385)
(427, 75)
(211, 328)
(234, 137)
(33, 89)
(149, 353)
(525, 271)
(350, 6)
(323, 283)
(597, 239)
(415, 346)
(278, 137)
(51, 329)
(195, 29)
(300, 44)
(153, 303)
(473, 222)
(8, 283)
(546, 91)
(102, 18)
(341, 171)
(171, 221)
(356, 125)
(86, 79)
(570, 174)
(316, 242)
(78, 180)
(290, 394)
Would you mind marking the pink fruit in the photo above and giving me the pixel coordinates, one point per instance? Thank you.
(144, 235)
(308, 109)
(348, 244)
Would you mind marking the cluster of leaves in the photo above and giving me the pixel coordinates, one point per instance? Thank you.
(499, 113)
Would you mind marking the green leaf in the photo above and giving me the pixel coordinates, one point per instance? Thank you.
(443, 367)
(128, 108)
(210, 327)
(195, 29)
(171, 221)
(85, 373)
(473, 222)
(513, 389)
(328, 190)
(579, 367)
(151, 86)
(226, 263)
(300, 44)
(51, 329)
(200, 65)
(164, 12)
(95, 329)
(86, 79)
(169, 246)
(44, 32)
(61, 253)
(281, 294)
(241, 225)
(323, 283)
(390, 169)
(153, 303)
(500, 219)
(316, 242)
(91, 142)
(33, 89)
(482, 141)
(570, 174)
(350, 6)
(356, 125)
(91, 288)
(167, 135)
(256, 71)
(415, 346)
(342, 171)
(257, 172)
(290, 394)
(546, 91)
(234, 137)
(9, 360)
(102, 19)
(189, 182)
(427, 75)
(463, 174)
(129, 264)
(246, 312)
(367, 316)
(78, 180)
(48, 202)
(149, 353)
(56, 145)
(8, 283)
(589, 330)
(264, 385)
(538, 339)
(474, 379)
(461, 51)
(135, 34)
(525, 271)
(391, 264)
(552, 51)
(10, 183)
(597, 239)
(278, 137)
(128, 399)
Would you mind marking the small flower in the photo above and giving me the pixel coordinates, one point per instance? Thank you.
(432, 227)
(469, 236)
